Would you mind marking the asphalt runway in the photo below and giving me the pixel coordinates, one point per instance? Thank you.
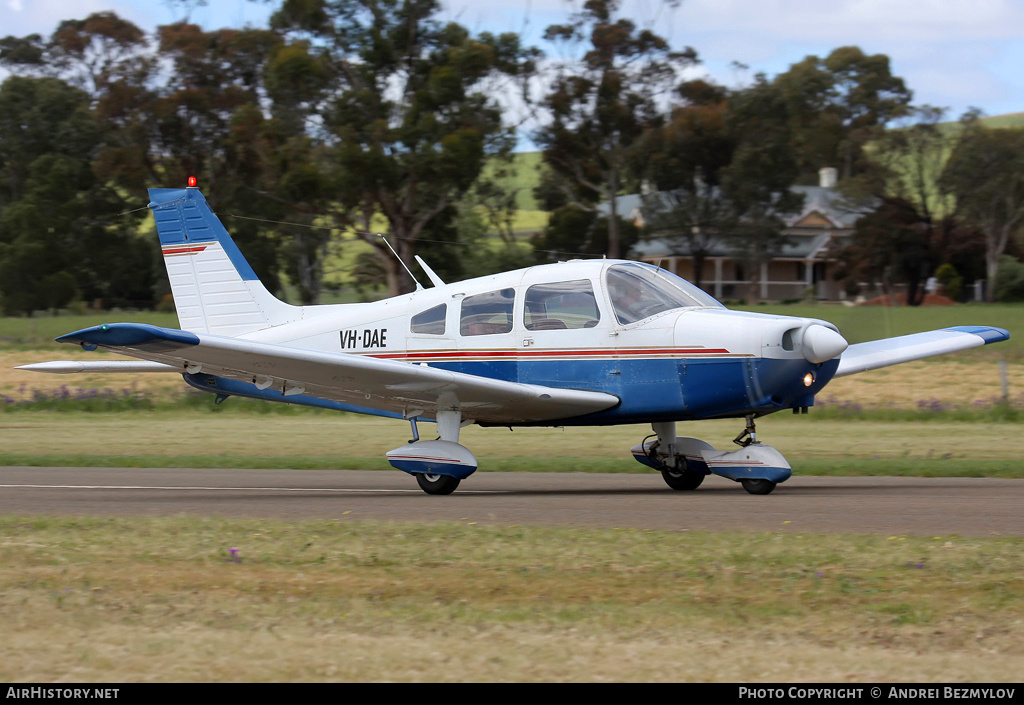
(873, 505)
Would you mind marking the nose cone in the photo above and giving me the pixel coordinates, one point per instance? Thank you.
(821, 344)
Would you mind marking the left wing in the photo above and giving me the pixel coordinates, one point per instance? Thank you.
(388, 385)
(861, 357)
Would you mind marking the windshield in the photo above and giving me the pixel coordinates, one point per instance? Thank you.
(639, 291)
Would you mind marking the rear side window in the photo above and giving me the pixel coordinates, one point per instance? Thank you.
(431, 321)
(561, 305)
(487, 314)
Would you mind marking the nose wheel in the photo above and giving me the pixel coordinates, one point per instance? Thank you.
(758, 486)
(747, 438)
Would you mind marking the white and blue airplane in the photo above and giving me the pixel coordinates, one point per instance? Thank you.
(578, 343)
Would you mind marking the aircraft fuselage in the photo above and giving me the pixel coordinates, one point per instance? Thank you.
(568, 325)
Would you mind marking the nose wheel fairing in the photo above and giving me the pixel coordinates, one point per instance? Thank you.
(752, 462)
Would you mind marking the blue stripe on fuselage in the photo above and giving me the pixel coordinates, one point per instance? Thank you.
(656, 389)
(650, 389)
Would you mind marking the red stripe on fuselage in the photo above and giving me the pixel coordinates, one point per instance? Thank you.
(555, 353)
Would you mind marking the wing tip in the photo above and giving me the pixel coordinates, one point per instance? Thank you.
(989, 334)
(130, 335)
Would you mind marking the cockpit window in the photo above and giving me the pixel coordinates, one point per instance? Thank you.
(487, 314)
(561, 305)
(431, 321)
(639, 291)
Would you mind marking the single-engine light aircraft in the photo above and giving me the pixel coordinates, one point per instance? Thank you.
(578, 343)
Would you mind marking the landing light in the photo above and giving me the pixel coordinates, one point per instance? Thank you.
(808, 379)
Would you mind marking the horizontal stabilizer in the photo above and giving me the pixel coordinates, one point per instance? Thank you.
(892, 351)
(69, 367)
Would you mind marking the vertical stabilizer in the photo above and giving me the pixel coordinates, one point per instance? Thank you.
(214, 288)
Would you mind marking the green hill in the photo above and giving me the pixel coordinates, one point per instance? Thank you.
(1007, 120)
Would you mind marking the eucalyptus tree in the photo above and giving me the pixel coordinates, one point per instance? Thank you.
(985, 174)
(604, 94)
(759, 178)
(837, 105)
(409, 111)
(682, 164)
(58, 238)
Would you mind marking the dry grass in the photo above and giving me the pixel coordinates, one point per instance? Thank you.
(949, 380)
(160, 600)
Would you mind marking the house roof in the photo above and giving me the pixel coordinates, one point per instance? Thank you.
(823, 207)
(824, 212)
(826, 203)
(794, 247)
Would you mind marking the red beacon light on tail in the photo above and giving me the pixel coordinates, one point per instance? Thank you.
(192, 182)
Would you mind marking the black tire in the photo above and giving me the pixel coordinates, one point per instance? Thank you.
(437, 484)
(758, 486)
(681, 479)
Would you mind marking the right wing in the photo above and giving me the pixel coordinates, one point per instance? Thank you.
(387, 385)
(861, 357)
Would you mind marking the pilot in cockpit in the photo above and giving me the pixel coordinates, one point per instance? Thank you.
(628, 300)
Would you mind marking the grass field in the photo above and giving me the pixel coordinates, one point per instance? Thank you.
(185, 599)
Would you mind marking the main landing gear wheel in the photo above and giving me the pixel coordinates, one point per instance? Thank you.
(681, 479)
(438, 484)
(758, 486)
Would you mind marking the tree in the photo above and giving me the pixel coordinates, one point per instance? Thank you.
(55, 215)
(914, 155)
(758, 181)
(574, 232)
(99, 52)
(684, 161)
(893, 243)
(112, 61)
(837, 105)
(210, 121)
(601, 103)
(722, 168)
(985, 174)
(409, 114)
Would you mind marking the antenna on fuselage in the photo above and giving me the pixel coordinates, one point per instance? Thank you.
(434, 279)
(418, 285)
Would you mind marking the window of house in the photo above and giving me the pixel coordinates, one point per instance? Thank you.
(431, 321)
(487, 314)
(561, 305)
